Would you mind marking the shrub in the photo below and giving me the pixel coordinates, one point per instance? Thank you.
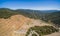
(42, 30)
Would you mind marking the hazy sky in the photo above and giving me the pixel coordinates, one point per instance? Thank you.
(31, 4)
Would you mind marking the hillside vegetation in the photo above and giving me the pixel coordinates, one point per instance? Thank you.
(53, 18)
(6, 13)
(44, 30)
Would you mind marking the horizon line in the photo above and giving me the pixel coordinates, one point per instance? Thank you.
(31, 9)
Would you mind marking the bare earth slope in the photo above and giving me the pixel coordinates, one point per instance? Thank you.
(18, 25)
(7, 26)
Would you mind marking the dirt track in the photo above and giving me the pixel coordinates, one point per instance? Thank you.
(54, 34)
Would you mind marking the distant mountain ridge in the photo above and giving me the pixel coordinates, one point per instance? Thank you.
(49, 11)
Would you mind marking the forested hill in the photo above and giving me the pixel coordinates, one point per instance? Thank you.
(53, 17)
(5, 13)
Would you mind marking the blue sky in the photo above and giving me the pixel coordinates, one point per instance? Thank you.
(31, 4)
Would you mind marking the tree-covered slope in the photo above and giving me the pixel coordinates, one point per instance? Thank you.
(6, 13)
(41, 30)
(53, 17)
